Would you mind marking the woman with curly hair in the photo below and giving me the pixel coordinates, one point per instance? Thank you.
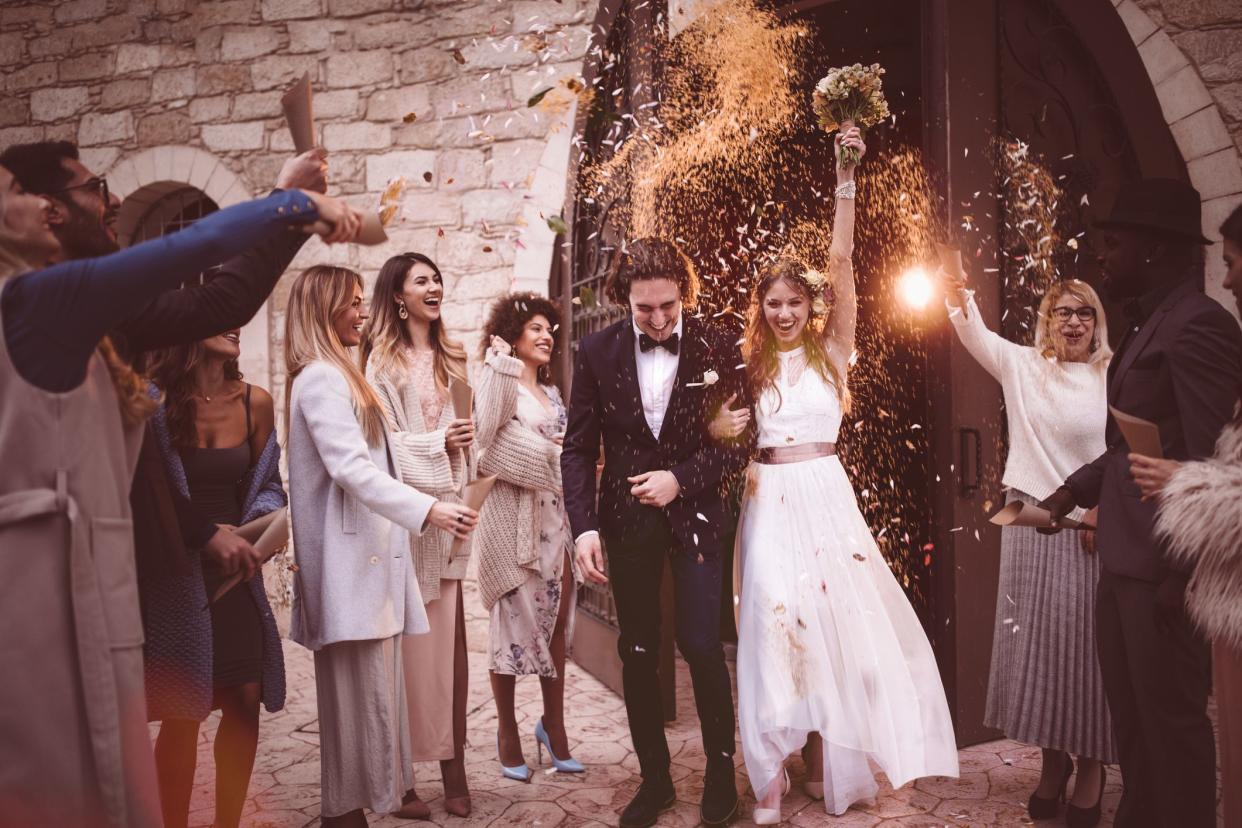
(526, 576)
(217, 437)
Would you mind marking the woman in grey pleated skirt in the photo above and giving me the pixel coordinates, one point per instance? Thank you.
(1045, 687)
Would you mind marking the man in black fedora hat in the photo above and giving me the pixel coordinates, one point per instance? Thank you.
(1178, 366)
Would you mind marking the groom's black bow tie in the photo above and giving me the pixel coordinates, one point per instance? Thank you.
(646, 343)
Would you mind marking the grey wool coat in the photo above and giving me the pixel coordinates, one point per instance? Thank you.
(352, 521)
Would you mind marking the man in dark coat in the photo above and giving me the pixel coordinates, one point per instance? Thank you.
(645, 386)
(1178, 366)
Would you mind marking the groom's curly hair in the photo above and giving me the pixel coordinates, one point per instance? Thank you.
(652, 258)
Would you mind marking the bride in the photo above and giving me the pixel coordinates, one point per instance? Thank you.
(830, 652)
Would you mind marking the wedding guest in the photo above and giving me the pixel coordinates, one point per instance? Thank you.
(355, 591)
(1177, 367)
(217, 437)
(1200, 517)
(410, 360)
(1044, 686)
(76, 749)
(526, 575)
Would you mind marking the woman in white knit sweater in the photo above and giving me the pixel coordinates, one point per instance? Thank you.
(526, 576)
(1045, 686)
(354, 588)
(410, 360)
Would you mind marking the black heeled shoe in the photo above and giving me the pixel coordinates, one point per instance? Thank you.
(1046, 808)
(1076, 817)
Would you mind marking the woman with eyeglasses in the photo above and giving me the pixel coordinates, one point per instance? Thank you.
(1045, 686)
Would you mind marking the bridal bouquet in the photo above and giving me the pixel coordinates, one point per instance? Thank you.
(850, 96)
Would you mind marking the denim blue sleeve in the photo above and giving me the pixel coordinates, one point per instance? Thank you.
(54, 318)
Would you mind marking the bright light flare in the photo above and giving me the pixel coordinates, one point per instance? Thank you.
(915, 288)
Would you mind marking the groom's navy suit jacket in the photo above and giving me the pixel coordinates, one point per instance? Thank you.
(605, 403)
(1178, 368)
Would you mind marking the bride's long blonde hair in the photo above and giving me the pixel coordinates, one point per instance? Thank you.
(318, 295)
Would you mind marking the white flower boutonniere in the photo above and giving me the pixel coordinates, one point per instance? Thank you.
(710, 378)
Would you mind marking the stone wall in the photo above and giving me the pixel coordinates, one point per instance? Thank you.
(432, 90)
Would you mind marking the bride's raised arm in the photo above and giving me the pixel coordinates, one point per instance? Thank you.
(843, 319)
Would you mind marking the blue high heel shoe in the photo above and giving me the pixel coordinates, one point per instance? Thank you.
(518, 773)
(570, 765)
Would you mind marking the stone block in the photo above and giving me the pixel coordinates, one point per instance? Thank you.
(361, 135)
(1194, 14)
(498, 53)
(223, 78)
(313, 36)
(171, 6)
(223, 12)
(539, 15)
(430, 209)
(495, 207)
(63, 131)
(427, 64)
(21, 135)
(461, 169)
(232, 137)
(353, 8)
(1182, 93)
(203, 110)
(137, 57)
(125, 92)
(410, 164)
(278, 71)
(1201, 133)
(1229, 97)
(40, 15)
(291, 9)
(174, 55)
(207, 46)
(165, 128)
(254, 105)
(1216, 175)
(74, 11)
(514, 162)
(1161, 57)
(12, 48)
(14, 112)
(34, 76)
(98, 128)
(57, 44)
(99, 159)
(173, 84)
(470, 96)
(402, 33)
(392, 105)
(169, 31)
(351, 69)
(91, 66)
(106, 32)
(251, 42)
(339, 103)
(1216, 52)
(58, 103)
(262, 170)
(1137, 23)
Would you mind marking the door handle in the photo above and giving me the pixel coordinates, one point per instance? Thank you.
(969, 461)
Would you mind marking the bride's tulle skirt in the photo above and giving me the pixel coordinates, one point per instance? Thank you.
(828, 642)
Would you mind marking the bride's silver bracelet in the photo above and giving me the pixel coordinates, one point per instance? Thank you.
(847, 190)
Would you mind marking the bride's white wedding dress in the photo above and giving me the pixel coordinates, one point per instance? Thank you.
(827, 641)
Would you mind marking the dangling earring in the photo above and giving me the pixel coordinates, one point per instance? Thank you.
(401, 311)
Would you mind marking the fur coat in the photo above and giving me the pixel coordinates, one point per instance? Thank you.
(1200, 517)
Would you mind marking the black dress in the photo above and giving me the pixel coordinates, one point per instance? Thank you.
(213, 476)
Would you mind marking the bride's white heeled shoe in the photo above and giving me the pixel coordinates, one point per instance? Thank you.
(771, 816)
(815, 790)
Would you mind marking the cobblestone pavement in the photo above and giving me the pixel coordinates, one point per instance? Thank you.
(996, 777)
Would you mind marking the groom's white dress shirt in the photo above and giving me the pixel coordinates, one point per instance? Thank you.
(657, 375)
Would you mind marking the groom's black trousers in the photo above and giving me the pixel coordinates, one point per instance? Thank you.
(635, 569)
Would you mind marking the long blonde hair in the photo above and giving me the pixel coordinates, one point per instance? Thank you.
(318, 295)
(1045, 339)
(385, 334)
(763, 362)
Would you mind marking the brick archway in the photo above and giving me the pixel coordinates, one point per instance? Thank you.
(1193, 116)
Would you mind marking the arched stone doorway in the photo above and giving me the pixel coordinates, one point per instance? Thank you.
(1063, 76)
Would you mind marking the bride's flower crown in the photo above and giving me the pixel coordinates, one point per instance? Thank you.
(820, 291)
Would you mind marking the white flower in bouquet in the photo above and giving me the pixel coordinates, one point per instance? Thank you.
(850, 95)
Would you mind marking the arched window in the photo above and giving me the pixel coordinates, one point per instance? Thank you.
(172, 212)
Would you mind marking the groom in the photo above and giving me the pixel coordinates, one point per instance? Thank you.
(644, 385)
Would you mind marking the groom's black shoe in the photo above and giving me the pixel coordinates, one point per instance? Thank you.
(654, 795)
(719, 791)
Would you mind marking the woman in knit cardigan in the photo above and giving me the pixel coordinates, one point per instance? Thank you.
(1201, 518)
(526, 576)
(1045, 686)
(410, 361)
(355, 595)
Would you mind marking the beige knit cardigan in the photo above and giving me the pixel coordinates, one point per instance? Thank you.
(425, 463)
(526, 463)
(1200, 516)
